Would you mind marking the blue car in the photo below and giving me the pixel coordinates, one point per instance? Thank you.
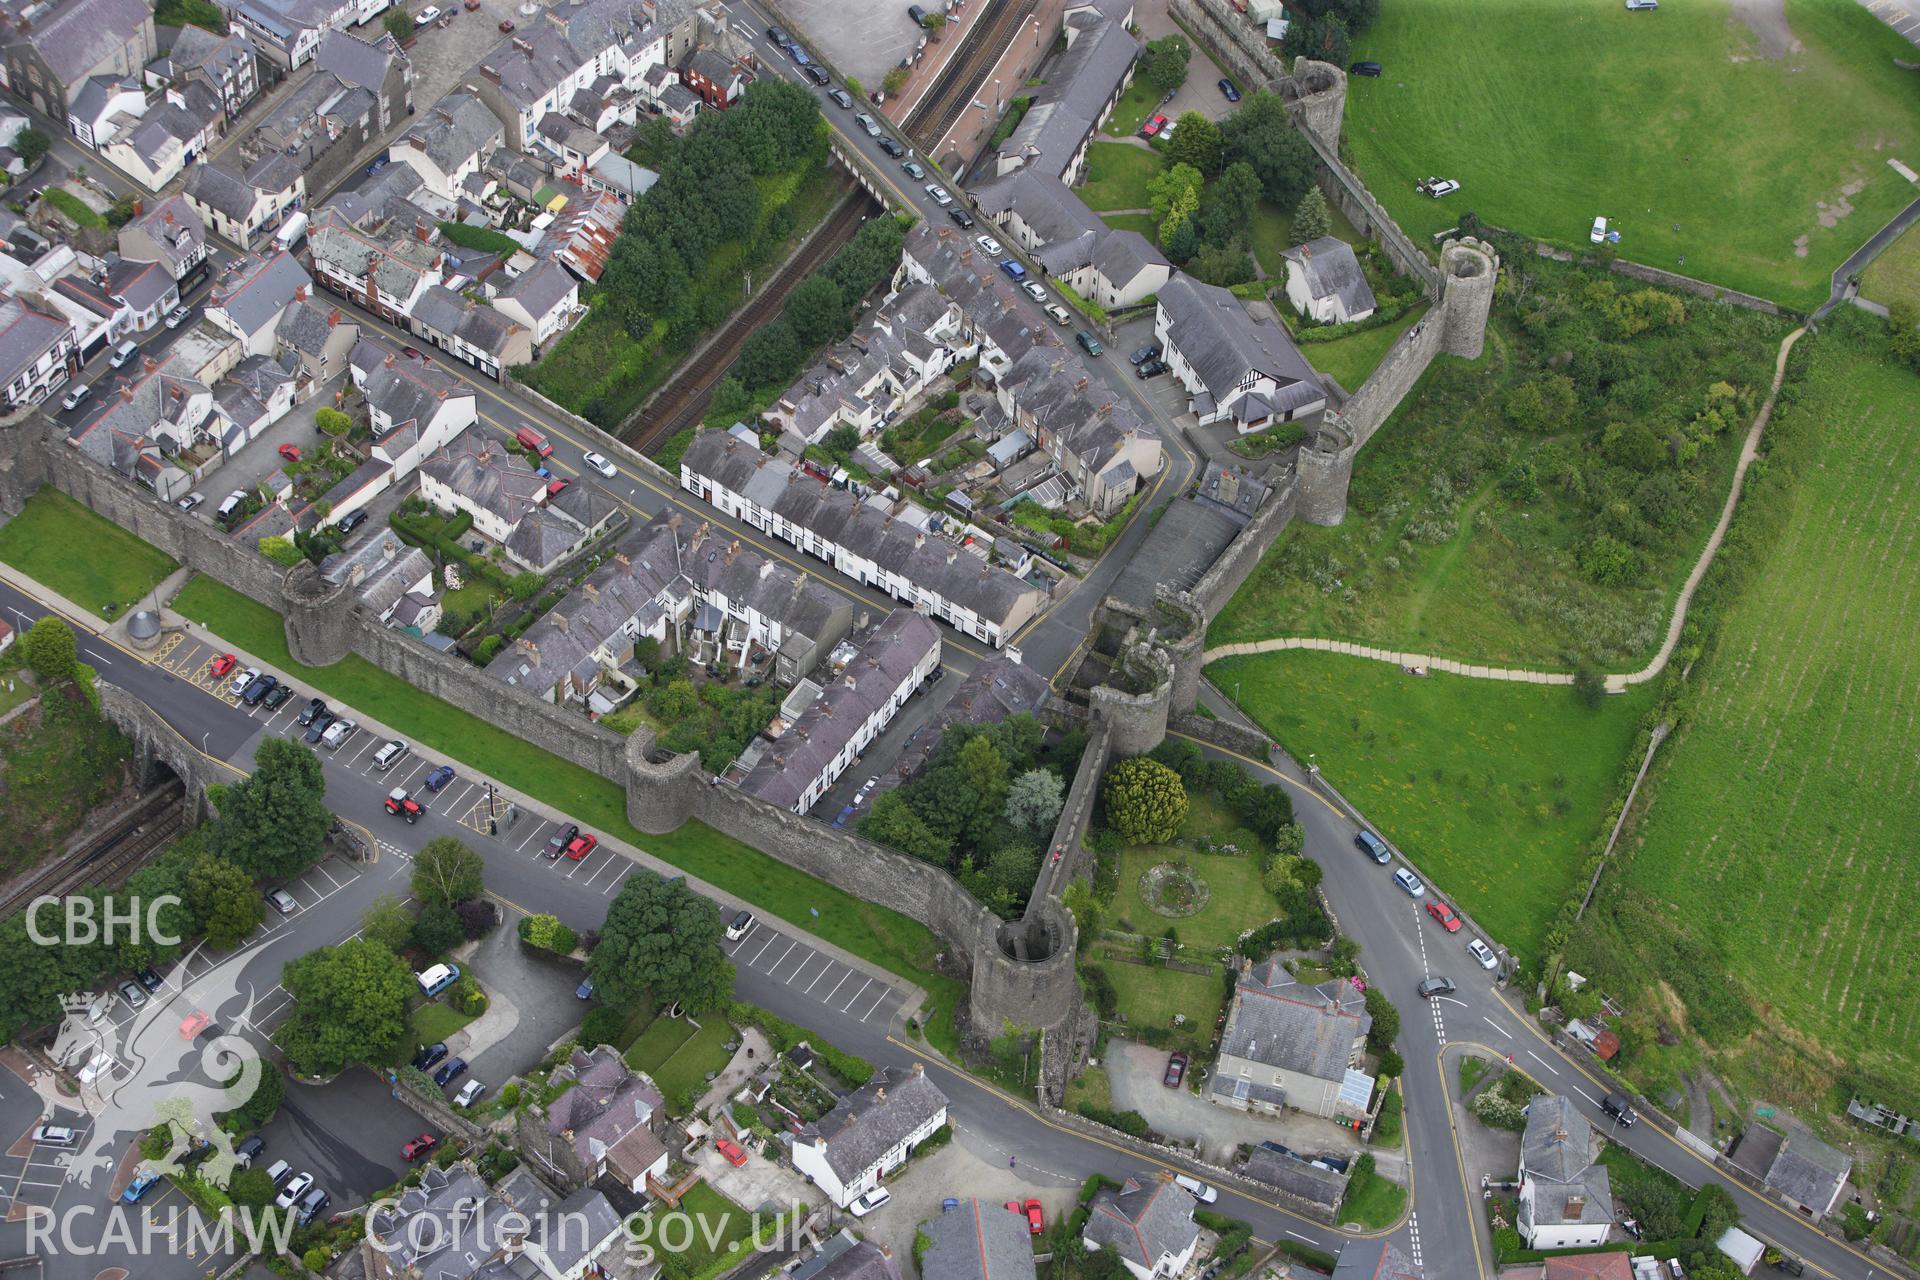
(1013, 268)
(1227, 88)
(142, 1183)
(439, 777)
(845, 813)
(584, 991)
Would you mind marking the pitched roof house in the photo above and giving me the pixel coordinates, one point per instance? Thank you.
(1807, 1172)
(608, 1123)
(250, 296)
(1148, 1222)
(452, 1226)
(870, 1132)
(50, 50)
(1234, 367)
(447, 141)
(35, 346)
(1383, 1260)
(976, 1241)
(1324, 281)
(1082, 87)
(1287, 1044)
(1566, 1199)
(171, 233)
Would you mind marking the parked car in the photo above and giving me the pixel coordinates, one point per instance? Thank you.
(337, 733)
(247, 1150)
(779, 36)
(918, 15)
(1144, 354)
(1331, 1160)
(1176, 1070)
(312, 1205)
(283, 902)
(580, 846)
(439, 778)
(131, 992)
(179, 316)
(280, 694)
(939, 194)
(390, 753)
(238, 685)
(585, 990)
(506, 24)
(913, 169)
(1409, 881)
(1635, 6)
(291, 452)
(1436, 986)
(731, 1150)
(798, 54)
(469, 1093)
(737, 928)
(599, 463)
(1155, 123)
(449, 1071)
(352, 520)
(1483, 953)
(1033, 290)
(55, 1135)
(418, 1147)
(557, 845)
(1152, 369)
(1036, 1218)
(1444, 914)
(318, 726)
(1364, 69)
(888, 145)
(1228, 88)
(1089, 343)
(866, 1204)
(816, 73)
(1599, 232)
(425, 17)
(961, 218)
(867, 123)
(1014, 270)
(437, 978)
(1618, 1106)
(430, 1056)
(1279, 1149)
(1437, 187)
(191, 501)
(258, 688)
(123, 355)
(1373, 846)
(1197, 1189)
(989, 246)
(296, 1187)
(221, 665)
(841, 98)
(231, 504)
(79, 391)
(149, 978)
(402, 805)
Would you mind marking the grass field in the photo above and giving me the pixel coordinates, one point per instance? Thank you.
(1894, 276)
(1352, 358)
(1117, 176)
(1141, 222)
(85, 557)
(678, 1055)
(1237, 899)
(1372, 1201)
(1494, 789)
(1767, 872)
(891, 940)
(1150, 996)
(1139, 101)
(1656, 120)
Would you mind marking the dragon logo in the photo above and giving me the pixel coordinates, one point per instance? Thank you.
(171, 1064)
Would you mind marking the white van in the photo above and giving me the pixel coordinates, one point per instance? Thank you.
(231, 503)
(437, 979)
(124, 354)
(1197, 1189)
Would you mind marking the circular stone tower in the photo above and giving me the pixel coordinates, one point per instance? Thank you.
(1323, 470)
(319, 617)
(1023, 969)
(1471, 268)
(1320, 98)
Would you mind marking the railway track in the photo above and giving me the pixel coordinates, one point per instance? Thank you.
(684, 400)
(960, 80)
(113, 855)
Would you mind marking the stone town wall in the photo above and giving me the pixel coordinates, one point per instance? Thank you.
(1237, 563)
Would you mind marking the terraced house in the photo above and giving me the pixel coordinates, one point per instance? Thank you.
(49, 49)
(869, 1132)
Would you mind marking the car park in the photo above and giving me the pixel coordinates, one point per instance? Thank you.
(599, 463)
(296, 1187)
(738, 926)
(1176, 1070)
(1436, 986)
(913, 169)
(402, 805)
(1229, 90)
(469, 1093)
(1155, 123)
(580, 846)
(191, 501)
(283, 902)
(939, 194)
(1197, 1189)
(78, 392)
(866, 1204)
(1364, 69)
(430, 1056)
(1408, 881)
(1089, 343)
(277, 697)
(1144, 354)
(1014, 270)
(439, 778)
(989, 246)
(437, 978)
(450, 1070)
(1444, 914)
(1617, 1106)
(238, 685)
(561, 839)
(1373, 846)
(961, 217)
(418, 1147)
(1483, 954)
(390, 754)
(1036, 1218)
(731, 1151)
(312, 1205)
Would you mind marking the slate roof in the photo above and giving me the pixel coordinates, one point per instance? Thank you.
(1066, 109)
(878, 1116)
(444, 311)
(1048, 206)
(142, 284)
(487, 474)
(381, 569)
(453, 131)
(842, 1257)
(396, 264)
(1144, 1221)
(1286, 1024)
(711, 64)
(1296, 1176)
(355, 61)
(90, 100)
(976, 1241)
(195, 49)
(307, 326)
(413, 391)
(1557, 1142)
(821, 733)
(532, 63)
(82, 34)
(1214, 333)
(254, 290)
(543, 289)
(1808, 1171)
(1119, 256)
(474, 1225)
(1331, 270)
(174, 226)
(216, 185)
(1383, 1260)
(569, 134)
(609, 1102)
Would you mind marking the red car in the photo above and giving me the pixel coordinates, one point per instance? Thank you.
(1444, 914)
(506, 24)
(222, 665)
(581, 845)
(1036, 1220)
(555, 486)
(419, 1146)
(1176, 1071)
(731, 1150)
(193, 1024)
(1153, 126)
(291, 452)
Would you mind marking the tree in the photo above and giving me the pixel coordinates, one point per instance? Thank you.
(446, 871)
(50, 649)
(31, 146)
(272, 825)
(399, 24)
(1228, 204)
(892, 822)
(816, 311)
(388, 922)
(1542, 403)
(1260, 134)
(280, 550)
(1034, 800)
(1182, 242)
(332, 422)
(661, 939)
(524, 585)
(1012, 869)
(1164, 64)
(223, 900)
(251, 1189)
(350, 1006)
(548, 933)
(1173, 195)
(1311, 220)
(1144, 800)
(1386, 1020)
(264, 1104)
(437, 930)
(1196, 142)
(1589, 685)
(983, 771)
(770, 355)
(730, 399)
(1324, 38)
(894, 80)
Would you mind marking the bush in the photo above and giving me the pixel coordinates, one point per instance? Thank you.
(467, 997)
(1106, 1000)
(549, 934)
(1144, 800)
(784, 1035)
(1495, 1111)
(603, 1026)
(1128, 1122)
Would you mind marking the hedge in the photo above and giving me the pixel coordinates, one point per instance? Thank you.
(1131, 1123)
(784, 1035)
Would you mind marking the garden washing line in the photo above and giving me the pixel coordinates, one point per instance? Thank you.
(1615, 683)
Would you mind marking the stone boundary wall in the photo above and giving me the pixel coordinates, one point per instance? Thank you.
(1071, 827)
(1654, 275)
(155, 739)
(602, 442)
(1237, 563)
(1230, 40)
(1222, 734)
(1344, 188)
(439, 1112)
(1393, 378)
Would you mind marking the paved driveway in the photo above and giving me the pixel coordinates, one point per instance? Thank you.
(1135, 1071)
(533, 1005)
(347, 1134)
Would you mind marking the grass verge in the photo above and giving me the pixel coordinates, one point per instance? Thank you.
(1894, 276)
(886, 938)
(1372, 1201)
(1117, 176)
(434, 1021)
(85, 557)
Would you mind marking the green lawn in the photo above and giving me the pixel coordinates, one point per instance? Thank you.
(85, 557)
(1141, 222)
(717, 1224)
(1553, 112)
(1494, 789)
(681, 1061)
(1272, 235)
(1761, 896)
(1150, 996)
(435, 1020)
(1894, 276)
(658, 1042)
(1139, 101)
(1372, 1201)
(1237, 900)
(1352, 358)
(887, 938)
(1117, 176)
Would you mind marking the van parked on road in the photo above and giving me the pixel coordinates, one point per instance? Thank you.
(124, 353)
(528, 438)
